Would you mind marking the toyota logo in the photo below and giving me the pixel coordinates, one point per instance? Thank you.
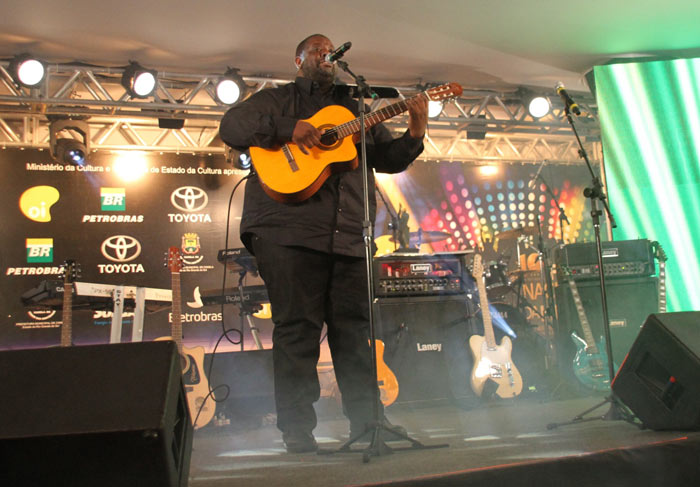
(189, 198)
(121, 248)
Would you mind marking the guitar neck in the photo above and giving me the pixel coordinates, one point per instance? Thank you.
(67, 315)
(489, 335)
(378, 116)
(585, 326)
(662, 287)
(176, 324)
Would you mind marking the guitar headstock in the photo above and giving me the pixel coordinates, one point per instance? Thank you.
(659, 252)
(477, 267)
(444, 92)
(174, 262)
(70, 271)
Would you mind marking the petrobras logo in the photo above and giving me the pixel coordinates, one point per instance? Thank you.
(36, 202)
(39, 250)
(120, 249)
(191, 200)
(113, 199)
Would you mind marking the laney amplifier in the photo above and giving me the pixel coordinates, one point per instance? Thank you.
(622, 258)
(405, 274)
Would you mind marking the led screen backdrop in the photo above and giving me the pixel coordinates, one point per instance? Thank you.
(650, 122)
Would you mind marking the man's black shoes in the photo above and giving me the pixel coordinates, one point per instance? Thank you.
(299, 442)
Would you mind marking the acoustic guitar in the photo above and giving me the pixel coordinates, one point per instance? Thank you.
(492, 361)
(290, 176)
(192, 359)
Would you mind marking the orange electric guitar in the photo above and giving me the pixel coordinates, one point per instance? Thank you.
(192, 359)
(492, 361)
(288, 175)
(386, 380)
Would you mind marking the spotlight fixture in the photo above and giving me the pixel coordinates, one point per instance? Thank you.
(138, 81)
(27, 71)
(68, 150)
(230, 87)
(538, 106)
(434, 108)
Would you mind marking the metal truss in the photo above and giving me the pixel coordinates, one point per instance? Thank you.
(480, 126)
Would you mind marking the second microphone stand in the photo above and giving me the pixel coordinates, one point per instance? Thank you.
(617, 410)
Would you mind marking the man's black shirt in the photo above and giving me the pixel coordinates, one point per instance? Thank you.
(330, 221)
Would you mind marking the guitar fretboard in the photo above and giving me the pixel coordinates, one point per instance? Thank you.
(591, 346)
(176, 325)
(67, 315)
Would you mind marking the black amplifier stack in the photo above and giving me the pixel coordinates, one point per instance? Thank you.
(621, 259)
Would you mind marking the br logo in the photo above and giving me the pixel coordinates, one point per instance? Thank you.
(35, 203)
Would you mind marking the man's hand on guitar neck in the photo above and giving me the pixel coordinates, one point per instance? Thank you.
(305, 135)
(417, 116)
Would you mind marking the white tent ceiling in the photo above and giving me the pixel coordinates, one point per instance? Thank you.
(493, 44)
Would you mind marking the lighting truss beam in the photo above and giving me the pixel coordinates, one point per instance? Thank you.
(119, 122)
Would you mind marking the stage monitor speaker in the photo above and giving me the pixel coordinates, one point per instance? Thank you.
(660, 379)
(107, 415)
(249, 377)
(630, 301)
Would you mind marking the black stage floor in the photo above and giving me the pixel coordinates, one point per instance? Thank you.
(497, 443)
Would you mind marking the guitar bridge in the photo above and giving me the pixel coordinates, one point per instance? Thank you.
(496, 371)
(290, 158)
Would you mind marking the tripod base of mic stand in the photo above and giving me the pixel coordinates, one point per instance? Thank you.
(377, 446)
(616, 412)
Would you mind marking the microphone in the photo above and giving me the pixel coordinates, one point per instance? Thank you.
(532, 182)
(568, 101)
(338, 53)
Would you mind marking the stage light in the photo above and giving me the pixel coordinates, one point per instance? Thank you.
(130, 166)
(243, 162)
(230, 87)
(138, 81)
(434, 108)
(69, 150)
(27, 71)
(538, 106)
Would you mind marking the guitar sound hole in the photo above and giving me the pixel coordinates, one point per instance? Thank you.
(328, 139)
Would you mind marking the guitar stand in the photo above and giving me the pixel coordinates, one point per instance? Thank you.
(377, 446)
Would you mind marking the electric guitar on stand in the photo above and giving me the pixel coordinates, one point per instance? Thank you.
(290, 176)
(191, 359)
(69, 271)
(493, 366)
(386, 380)
(590, 364)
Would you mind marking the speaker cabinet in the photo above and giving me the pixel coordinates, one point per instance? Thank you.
(108, 415)
(660, 379)
(426, 347)
(630, 301)
(250, 381)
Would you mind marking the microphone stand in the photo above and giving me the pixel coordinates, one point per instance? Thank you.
(549, 307)
(617, 410)
(393, 217)
(377, 446)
